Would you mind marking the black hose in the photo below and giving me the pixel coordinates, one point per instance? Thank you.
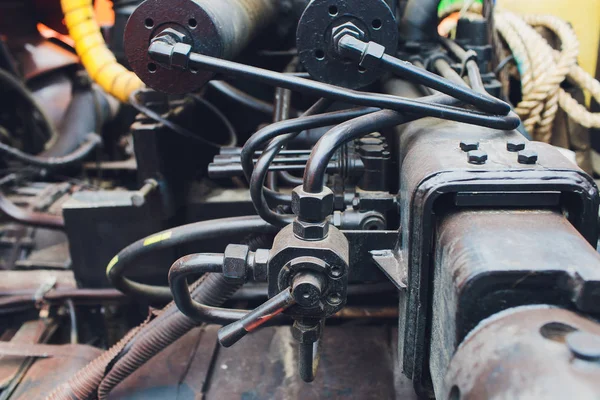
(279, 128)
(458, 90)
(231, 132)
(196, 264)
(180, 130)
(314, 174)
(212, 289)
(242, 97)
(289, 179)
(257, 192)
(470, 64)
(162, 53)
(78, 155)
(126, 259)
(425, 106)
(296, 125)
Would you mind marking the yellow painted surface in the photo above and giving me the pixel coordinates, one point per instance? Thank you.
(583, 15)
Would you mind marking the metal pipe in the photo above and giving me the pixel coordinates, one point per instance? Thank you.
(194, 265)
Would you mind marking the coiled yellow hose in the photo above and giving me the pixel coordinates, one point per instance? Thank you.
(95, 56)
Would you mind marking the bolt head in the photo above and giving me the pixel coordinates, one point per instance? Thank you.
(347, 28)
(469, 145)
(584, 345)
(477, 157)
(527, 157)
(515, 145)
(310, 230)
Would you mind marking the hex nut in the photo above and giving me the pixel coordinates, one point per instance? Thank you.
(514, 145)
(477, 157)
(372, 55)
(310, 230)
(260, 265)
(180, 56)
(306, 334)
(312, 207)
(469, 145)
(347, 28)
(235, 263)
(527, 157)
(170, 36)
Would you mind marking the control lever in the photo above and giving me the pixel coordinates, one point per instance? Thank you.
(230, 334)
(305, 291)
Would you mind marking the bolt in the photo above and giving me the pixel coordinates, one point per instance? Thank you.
(527, 157)
(138, 199)
(469, 145)
(515, 145)
(170, 36)
(347, 28)
(307, 288)
(584, 345)
(477, 157)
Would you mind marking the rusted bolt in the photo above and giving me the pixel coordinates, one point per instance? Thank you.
(515, 145)
(477, 157)
(584, 345)
(527, 157)
(469, 145)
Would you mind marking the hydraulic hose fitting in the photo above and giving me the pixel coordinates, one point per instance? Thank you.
(312, 213)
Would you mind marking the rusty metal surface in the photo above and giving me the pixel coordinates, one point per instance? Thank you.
(179, 372)
(356, 363)
(522, 354)
(46, 373)
(434, 170)
(39, 56)
(487, 261)
(12, 282)
(29, 333)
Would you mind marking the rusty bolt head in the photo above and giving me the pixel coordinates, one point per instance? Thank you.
(477, 157)
(527, 157)
(311, 230)
(469, 145)
(306, 334)
(235, 264)
(312, 207)
(170, 36)
(515, 145)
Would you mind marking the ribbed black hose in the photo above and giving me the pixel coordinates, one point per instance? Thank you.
(145, 341)
(214, 290)
(211, 289)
